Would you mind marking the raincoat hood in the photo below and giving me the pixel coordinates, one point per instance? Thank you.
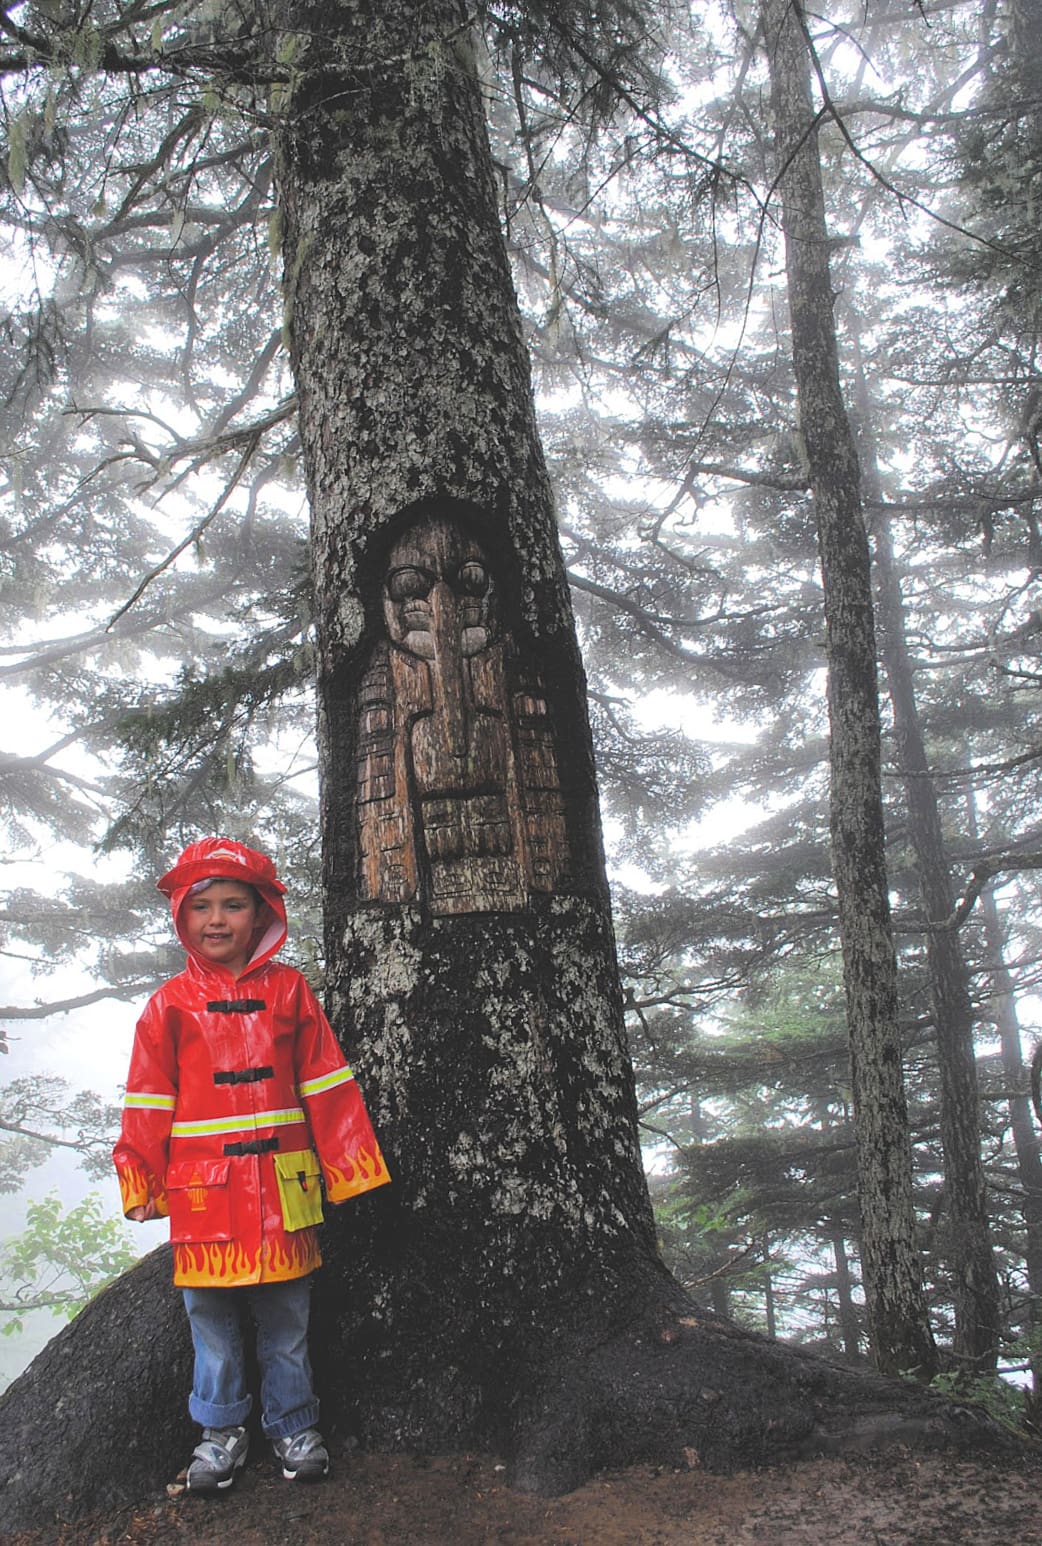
(221, 858)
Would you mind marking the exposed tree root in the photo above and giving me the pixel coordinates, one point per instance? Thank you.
(98, 1420)
(686, 1389)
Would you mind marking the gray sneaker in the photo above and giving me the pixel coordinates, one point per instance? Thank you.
(303, 1455)
(215, 1460)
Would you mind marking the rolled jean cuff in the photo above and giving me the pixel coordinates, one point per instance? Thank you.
(213, 1416)
(294, 1422)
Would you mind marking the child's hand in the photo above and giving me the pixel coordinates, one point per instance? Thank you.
(144, 1211)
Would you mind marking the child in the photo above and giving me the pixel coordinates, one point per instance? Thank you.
(239, 1110)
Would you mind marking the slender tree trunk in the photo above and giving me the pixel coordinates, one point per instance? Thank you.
(1025, 36)
(1003, 1006)
(897, 1314)
(1024, 39)
(719, 1285)
(968, 1243)
(769, 1309)
(967, 1246)
(1025, 1139)
(849, 1325)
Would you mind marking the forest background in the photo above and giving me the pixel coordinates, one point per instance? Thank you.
(156, 665)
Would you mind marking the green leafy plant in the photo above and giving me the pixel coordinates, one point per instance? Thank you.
(62, 1258)
(1000, 1398)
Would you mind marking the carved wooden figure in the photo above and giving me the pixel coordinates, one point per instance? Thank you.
(460, 804)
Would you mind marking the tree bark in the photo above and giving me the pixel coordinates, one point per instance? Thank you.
(769, 1312)
(897, 1314)
(849, 1325)
(490, 1042)
(1003, 1013)
(967, 1245)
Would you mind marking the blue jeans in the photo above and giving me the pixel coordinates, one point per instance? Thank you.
(219, 1396)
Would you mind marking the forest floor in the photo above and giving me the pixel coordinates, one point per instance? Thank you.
(895, 1498)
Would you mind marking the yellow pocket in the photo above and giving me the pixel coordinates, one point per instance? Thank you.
(200, 1202)
(300, 1188)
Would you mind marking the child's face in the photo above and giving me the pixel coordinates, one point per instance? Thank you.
(220, 924)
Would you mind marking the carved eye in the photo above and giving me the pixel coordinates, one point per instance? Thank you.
(473, 578)
(408, 584)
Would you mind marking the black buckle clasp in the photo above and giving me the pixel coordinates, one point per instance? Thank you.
(244, 1075)
(236, 1006)
(253, 1146)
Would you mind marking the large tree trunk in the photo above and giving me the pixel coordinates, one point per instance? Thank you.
(896, 1309)
(504, 1292)
(470, 954)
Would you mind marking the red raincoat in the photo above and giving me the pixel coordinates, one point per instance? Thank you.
(239, 1101)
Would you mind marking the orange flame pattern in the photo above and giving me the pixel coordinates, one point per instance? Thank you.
(368, 1171)
(136, 1191)
(227, 1264)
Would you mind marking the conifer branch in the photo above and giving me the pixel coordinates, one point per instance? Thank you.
(982, 875)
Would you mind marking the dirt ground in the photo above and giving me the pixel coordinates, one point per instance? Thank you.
(893, 1499)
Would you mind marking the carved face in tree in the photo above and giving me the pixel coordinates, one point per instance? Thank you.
(459, 798)
(438, 594)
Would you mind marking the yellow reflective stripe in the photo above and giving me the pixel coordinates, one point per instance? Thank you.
(326, 1081)
(245, 1122)
(148, 1100)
